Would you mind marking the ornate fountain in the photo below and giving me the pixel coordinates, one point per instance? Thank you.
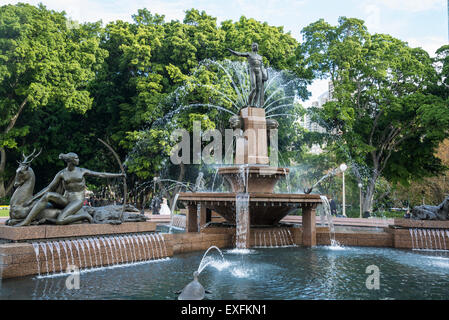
(252, 202)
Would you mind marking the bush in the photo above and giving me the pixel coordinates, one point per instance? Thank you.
(5, 201)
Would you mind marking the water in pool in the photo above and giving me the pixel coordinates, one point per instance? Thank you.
(272, 273)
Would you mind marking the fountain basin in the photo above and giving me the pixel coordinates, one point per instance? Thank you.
(282, 273)
(266, 209)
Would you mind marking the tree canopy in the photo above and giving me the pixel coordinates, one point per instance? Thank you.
(383, 117)
(43, 62)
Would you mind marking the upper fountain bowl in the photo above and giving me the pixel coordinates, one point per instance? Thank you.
(252, 178)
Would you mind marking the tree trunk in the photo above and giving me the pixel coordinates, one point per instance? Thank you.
(368, 197)
(2, 172)
(11, 125)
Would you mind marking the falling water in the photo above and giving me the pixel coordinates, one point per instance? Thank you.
(97, 242)
(36, 251)
(131, 238)
(163, 242)
(116, 239)
(115, 249)
(420, 236)
(327, 210)
(150, 237)
(58, 249)
(275, 239)
(172, 211)
(411, 235)
(108, 240)
(430, 238)
(142, 246)
(242, 219)
(444, 240)
(122, 240)
(159, 243)
(415, 232)
(291, 238)
(105, 249)
(50, 247)
(44, 249)
(86, 242)
(81, 242)
(77, 246)
(133, 258)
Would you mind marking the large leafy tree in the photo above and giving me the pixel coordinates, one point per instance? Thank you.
(45, 60)
(152, 63)
(383, 117)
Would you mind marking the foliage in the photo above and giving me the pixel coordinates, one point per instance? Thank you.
(382, 119)
(44, 62)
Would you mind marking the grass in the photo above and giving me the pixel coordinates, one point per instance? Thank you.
(4, 213)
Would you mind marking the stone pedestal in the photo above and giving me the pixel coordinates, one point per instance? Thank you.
(309, 226)
(254, 150)
(203, 215)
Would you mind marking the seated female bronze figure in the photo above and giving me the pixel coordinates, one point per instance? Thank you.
(70, 200)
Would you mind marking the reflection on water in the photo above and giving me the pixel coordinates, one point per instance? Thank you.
(282, 273)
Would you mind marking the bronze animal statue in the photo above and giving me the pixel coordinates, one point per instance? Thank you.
(64, 195)
(427, 212)
(20, 205)
(112, 214)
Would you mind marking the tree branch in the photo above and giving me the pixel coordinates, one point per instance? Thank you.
(16, 116)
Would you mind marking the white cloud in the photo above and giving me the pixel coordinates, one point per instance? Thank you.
(430, 44)
(372, 19)
(413, 5)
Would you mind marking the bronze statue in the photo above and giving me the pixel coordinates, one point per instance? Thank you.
(20, 203)
(258, 75)
(113, 214)
(427, 212)
(193, 290)
(66, 192)
(199, 183)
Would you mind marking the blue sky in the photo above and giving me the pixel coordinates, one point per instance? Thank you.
(422, 23)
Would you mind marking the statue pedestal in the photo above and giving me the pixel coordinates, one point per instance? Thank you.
(254, 149)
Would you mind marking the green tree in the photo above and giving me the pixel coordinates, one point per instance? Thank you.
(45, 60)
(156, 67)
(382, 117)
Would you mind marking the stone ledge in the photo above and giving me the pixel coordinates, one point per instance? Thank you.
(75, 230)
(409, 223)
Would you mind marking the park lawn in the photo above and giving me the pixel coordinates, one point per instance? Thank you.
(4, 213)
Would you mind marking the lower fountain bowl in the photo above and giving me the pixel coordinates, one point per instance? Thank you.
(265, 209)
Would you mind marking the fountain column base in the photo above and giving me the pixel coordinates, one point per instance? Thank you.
(192, 218)
(309, 226)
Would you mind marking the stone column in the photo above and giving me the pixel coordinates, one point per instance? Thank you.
(308, 226)
(203, 215)
(192, 218)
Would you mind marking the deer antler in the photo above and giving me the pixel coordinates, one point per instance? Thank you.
(28, 159)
